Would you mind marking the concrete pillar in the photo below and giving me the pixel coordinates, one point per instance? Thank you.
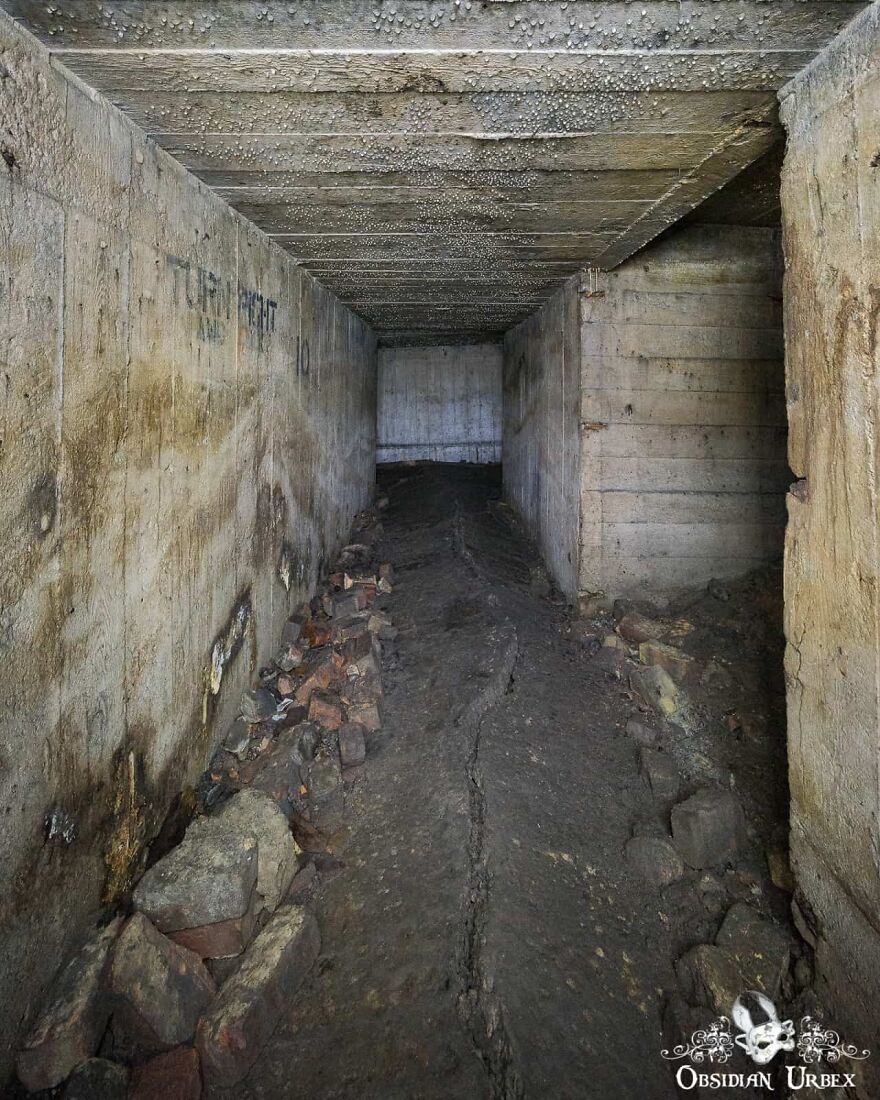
(831, 228)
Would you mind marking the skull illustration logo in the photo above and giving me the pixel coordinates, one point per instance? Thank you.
(763, 1040)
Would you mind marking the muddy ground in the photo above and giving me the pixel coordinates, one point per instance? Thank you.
(483, 934)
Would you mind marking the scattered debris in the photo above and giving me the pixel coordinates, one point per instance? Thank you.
(225, 906)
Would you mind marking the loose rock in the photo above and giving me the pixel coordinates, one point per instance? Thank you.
(642, 733)
(98, 1079)
(257, 705)
(352, 746)
(207, 880)
(175, 1075)
(661, 774)
(160, 988)
(660, 655)
(655, 859)
(707, 828)
(234, 1031)
(638, 628)
(69, 1029)
(253, 813)
(657, 689)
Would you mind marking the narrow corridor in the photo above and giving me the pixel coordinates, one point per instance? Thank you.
(484, 934)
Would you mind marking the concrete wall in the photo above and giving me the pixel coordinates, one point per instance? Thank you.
(439, 404)
(186, 427)
(831, 226)
(540, 439)
(682, 414)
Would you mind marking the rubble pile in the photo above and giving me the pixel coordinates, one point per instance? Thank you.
(707, 754)
(179, 996)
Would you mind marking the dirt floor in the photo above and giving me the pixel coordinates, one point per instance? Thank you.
(484, 931)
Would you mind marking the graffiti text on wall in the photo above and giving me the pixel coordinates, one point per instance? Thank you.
(210, 296)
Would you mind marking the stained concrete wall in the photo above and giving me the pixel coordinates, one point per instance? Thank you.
(682, 414)
(439, 404)
(831, 225)
(540, 430)
(187, 426)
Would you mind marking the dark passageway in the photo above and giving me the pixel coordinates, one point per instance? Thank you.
(439, 581)
(486, 933)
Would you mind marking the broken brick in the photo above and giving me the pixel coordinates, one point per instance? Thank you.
(246, 1012)
(317, 633)
(321, 677)
(175, 1075)
(351, 627)
(349, 602)
(326, 711)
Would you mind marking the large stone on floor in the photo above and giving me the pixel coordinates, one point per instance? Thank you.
(246, 1012)
(655, 859)
(97, 1079)
(708, 827)
(69, 1029)
(174, 1075)
(207, 880)
(254, 813)
(160, 989)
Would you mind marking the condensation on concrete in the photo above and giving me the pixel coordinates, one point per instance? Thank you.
(187, 426)
(683, 471)
(439, 404)
(831, 225)
(540, 438)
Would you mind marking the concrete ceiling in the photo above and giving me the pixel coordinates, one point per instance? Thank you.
(444, 165)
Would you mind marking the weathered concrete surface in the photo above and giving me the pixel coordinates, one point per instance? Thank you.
(540, 430)
(831, 220)
(682, 414)
(644, 419)
(439, 404)
(188, 424)
(447, 167)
